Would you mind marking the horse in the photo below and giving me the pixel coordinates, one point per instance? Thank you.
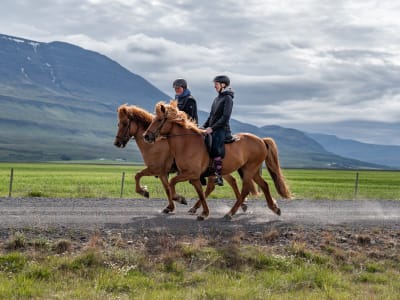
(132, 122)
(186, 143)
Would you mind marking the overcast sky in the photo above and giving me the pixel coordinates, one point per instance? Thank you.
(320, 66)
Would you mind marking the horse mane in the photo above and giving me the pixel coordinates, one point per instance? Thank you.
(136, 114)
(177, 116)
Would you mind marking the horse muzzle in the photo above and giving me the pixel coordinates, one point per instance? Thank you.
(149, 137)
(120, 144)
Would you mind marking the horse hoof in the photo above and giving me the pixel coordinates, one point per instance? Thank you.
(227, 217)
(146, 194)
(180, 199)
(167, 210)
(183, 201)
(200, 218)
(244, 207)
(192, 211)
(278, 211)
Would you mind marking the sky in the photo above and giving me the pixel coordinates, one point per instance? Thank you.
(314, 65)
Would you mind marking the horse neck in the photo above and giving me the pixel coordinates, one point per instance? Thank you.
(138, 136)
(180, 138)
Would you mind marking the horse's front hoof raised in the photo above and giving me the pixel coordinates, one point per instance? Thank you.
(146, 194)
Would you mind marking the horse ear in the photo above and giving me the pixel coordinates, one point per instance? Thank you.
(162, 108)
(122, 109)
(173, 103)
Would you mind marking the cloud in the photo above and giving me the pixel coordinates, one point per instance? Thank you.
(292, 63)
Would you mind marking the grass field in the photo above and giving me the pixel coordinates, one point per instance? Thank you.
(105, 181)
(195, 271)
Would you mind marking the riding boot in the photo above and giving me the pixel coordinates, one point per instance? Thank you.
(218, 168)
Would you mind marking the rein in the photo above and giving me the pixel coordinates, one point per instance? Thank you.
(180, 134)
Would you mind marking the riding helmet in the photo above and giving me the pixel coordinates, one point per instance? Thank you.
(222, 79)
(180, 82)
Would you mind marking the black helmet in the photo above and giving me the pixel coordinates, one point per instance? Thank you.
(180, 82)
(222, 79)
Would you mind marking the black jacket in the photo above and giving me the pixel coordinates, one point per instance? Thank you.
(221, 111)
(189, 106)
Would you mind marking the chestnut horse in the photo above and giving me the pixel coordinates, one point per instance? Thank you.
(186, 143)
(132, 122)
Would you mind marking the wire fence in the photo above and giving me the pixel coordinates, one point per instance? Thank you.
(313, 184)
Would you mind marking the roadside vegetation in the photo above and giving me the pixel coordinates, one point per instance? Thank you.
(162, 267)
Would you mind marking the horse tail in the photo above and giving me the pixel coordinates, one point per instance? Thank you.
(252, 186)
(274, 169)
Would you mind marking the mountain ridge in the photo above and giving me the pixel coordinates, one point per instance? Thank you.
(58, 102)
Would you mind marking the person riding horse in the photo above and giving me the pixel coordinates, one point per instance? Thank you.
(186, 102)
(217, 123)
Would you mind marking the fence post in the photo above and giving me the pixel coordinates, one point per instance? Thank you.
(356, 187)
(122, 184)
(11, 182)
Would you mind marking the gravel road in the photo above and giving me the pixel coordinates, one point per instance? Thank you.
(363, 226)
(140, 214)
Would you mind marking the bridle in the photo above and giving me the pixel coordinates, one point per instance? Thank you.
(153, 135)
(125, 137)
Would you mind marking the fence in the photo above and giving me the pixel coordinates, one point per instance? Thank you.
(121, 186)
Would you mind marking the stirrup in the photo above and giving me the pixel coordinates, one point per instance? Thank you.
(219, 181)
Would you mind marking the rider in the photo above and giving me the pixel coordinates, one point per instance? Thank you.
(186, 101)
(217, 124)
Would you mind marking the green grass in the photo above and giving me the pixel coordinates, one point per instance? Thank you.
(63, 180)
(195, 272)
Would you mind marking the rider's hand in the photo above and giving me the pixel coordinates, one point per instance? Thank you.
(208, 130)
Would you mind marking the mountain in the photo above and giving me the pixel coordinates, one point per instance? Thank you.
(58, 102)
(378, 154)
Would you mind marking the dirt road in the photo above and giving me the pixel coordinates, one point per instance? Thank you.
(144, 214)
(365, 227)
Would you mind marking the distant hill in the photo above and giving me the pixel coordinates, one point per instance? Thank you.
(378, 154)
(58, 102)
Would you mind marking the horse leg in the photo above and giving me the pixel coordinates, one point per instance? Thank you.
(270, 201)
(139, 189)
(233, 183)
(197, 185)
(171, 206)
(245, 192)
(209, 189)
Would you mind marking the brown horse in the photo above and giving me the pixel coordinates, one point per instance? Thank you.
(187, 145)
(132, 122)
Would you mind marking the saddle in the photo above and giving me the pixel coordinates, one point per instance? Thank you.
(211, 168)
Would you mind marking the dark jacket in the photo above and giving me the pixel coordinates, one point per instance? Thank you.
(221, 111)
(187, 103)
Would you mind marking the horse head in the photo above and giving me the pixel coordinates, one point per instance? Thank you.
(132, 121)
(124, 124)
(154, 129)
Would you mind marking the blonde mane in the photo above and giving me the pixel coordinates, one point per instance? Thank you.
(136, 114)
(175, 115)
